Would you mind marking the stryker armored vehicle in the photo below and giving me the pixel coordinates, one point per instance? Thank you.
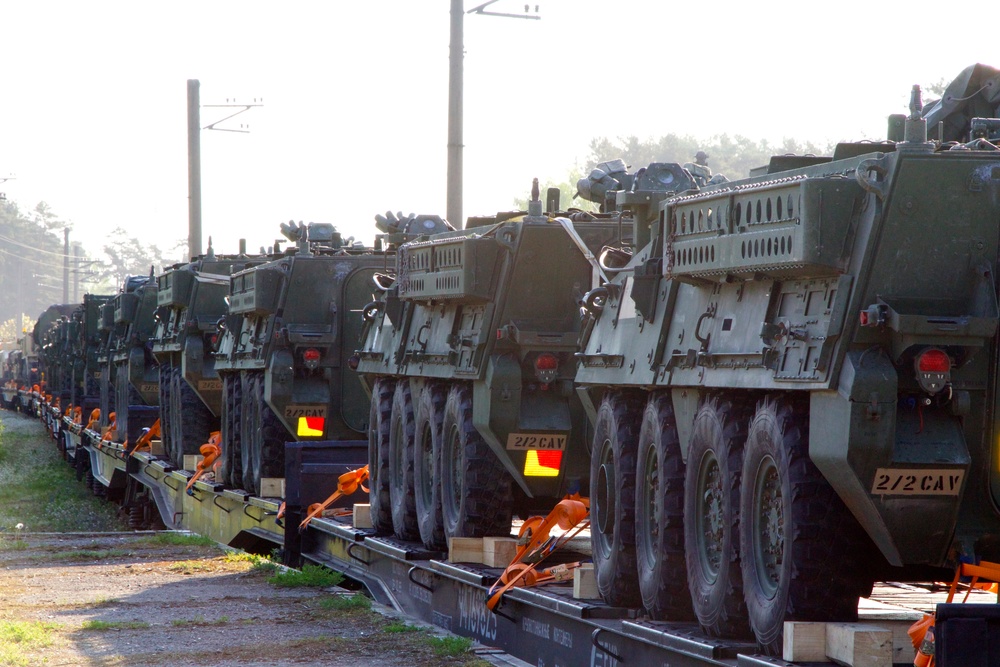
(191, 300)
(468, 354)
(290, 327)
(86, 344)
(131, 384)
(793, 384)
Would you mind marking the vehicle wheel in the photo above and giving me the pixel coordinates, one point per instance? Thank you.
(401, 490)
(427, 442)
(193, 422)
(476, 497)
(612, 498)
(379, 417)
(802, 549)
(231, 468)
(264, 442)
(249, 455)
(659, 514)
(166, 413)
(711, 517)
(122, 396)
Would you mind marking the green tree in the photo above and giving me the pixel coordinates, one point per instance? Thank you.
(31, 260)
(128, 256)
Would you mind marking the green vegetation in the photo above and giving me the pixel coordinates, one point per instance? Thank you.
(189, 566)
(312, 576)
(258, 564)
(397, 627)
(168, 538)
(18, 637)
(345, 602)
(450, 646)
(39, 491)
(115, 625)
(198, 621)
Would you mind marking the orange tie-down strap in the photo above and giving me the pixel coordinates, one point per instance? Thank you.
(210, 453)
(145, 441)
(111, 427)
(95, 416)
(535, 544)
(78, 415)
(347, 484)
(922, 632)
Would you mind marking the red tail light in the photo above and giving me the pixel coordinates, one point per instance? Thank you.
(546, 367)
(933, 361)
(311, 357)
(933, 367)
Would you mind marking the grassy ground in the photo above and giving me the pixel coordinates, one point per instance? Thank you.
(39, 490)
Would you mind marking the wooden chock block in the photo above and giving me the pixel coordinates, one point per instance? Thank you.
(499, 551)
(272, 487)
(191, 461)
(156, 448)
(804, 642)
(859, 644)
(585, 583)
(362, 515)
(465, 550)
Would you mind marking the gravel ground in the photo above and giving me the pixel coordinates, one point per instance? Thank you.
(122, 598)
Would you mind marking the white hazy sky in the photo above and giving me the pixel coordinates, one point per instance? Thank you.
(93, 109)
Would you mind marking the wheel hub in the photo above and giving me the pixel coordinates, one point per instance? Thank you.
(769, 526)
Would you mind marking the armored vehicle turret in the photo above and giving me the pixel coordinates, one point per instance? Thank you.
(793, 384)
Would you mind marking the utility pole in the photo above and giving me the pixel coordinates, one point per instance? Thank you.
(456, 54)
(76, 274)
(194, 166)
(194, 154)
(65, 265)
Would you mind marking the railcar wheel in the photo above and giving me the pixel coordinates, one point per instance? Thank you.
(476, 495)
(379, 417)
(401, 489)
(659, 514)
(612, 498)
(803, 551)
(711, 518)
(427, 443)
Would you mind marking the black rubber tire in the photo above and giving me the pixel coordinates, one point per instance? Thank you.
(263, 441)
(659, 514)
(711, 534)
(401, 490)
(427, 442)
(193, 422)
(379, 415)
(122, 396)
(231, 468)
(612, 498)
(166, 413)
(812, 565)
(476, 495)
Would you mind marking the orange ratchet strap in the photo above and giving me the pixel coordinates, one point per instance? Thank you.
(571, 514)
(210, 452)
(112, 422)
(347, 484)
(145, 440)
(95, 416)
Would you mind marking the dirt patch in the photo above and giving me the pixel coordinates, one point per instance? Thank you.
(119, 598)
(141, 603)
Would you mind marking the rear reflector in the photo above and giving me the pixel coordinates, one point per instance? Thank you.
(311, 427)
(542, 463)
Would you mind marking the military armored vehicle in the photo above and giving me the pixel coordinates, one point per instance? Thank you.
(469, 355)
(131, 377)
(793, 383)
(86, 344)
(191, 300)
(290, 327)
